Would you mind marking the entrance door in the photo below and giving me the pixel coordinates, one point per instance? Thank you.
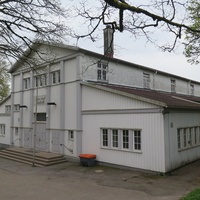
(42, 141)
(27, 138)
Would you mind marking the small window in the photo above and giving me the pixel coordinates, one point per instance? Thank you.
(16, 107)
(41, 117)
(7, 108)
(173, 85)
(71, 135)
(2, 129)
(105, 137)
(55, 77)
(179, 139)
(191, 89)
(102, 69)
(146, 80)
(16, 131)
(26, 83)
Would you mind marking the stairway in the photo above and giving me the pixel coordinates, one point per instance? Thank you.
(26, 156)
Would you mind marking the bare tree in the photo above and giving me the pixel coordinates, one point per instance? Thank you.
(24, 21)
(140, 18)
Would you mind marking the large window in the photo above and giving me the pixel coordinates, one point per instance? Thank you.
(2, 129)
(188, 137)
(41, 80)
(102, 70)
(121, 139)
(146, 80)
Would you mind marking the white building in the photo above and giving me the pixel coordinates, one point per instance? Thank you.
(84, 102)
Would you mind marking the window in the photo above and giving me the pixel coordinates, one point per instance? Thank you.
(121, 139)
(41, 80)
(16, 107)
(26, 83)
(173, 85)
(56, 77)
(2, 129)
(137, 140)
(71, 135)
(115, 139)
(188, 137)
(16, 131)
(105, 137)
(191, 89)
(125, 139)
(102, 69)
(8, 108)
(41, 117)
(146, 80)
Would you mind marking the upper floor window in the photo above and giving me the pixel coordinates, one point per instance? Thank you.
(146, 80)
(55, 77)
(8, 108)
(191, 89)
(26, 82)
(173, 85)
(102, 69)
(41, 80)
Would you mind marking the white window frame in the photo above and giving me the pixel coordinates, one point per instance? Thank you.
(41, 80)
(192, 89)
(173, 85)
(16, 107)
(27, 82)
(55, 77)
(102, 71)
(7, 108)
(2, 129)
(124, 138)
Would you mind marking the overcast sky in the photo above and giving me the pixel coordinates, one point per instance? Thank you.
(140, 52)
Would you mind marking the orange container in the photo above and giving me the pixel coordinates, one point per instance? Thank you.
(87, 159)
(89, 156)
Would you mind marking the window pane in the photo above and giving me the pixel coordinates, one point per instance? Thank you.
(115, 137)
(105, 137)
(125, 139)
(137, 140)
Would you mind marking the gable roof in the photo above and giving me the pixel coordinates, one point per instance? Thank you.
(160, 98)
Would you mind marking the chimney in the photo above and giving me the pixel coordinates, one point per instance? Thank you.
(108, 41)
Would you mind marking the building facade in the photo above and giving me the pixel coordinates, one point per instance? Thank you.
(70, 101)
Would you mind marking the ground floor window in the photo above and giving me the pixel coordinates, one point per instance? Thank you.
(121, 139)
(188, 137)
(2, 129)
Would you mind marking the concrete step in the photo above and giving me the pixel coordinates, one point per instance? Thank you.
(26, 156)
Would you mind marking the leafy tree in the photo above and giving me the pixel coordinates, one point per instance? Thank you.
(4, 79)
(140, 18)
(192, 47)
(24, 21)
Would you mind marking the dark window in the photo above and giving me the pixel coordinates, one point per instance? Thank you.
(41, 117)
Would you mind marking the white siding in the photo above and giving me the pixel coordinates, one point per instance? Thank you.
(151, 125)
(173, 121)
(95, 99)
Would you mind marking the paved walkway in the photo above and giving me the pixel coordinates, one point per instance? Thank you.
(70, 181)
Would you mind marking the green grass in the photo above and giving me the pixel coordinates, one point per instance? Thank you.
(194, 195)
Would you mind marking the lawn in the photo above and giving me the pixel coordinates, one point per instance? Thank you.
(194, 195)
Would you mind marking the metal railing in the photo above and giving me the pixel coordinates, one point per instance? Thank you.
(70, 150)
(12, 143)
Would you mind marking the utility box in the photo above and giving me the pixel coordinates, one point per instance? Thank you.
(87, 159)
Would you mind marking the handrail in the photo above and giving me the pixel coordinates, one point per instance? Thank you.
(12, 143)
(70, 150)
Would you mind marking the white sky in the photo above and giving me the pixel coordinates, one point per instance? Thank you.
(126, 48)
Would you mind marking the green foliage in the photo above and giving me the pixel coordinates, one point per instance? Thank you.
(4, 79)
(194, 195)
(192, 47)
